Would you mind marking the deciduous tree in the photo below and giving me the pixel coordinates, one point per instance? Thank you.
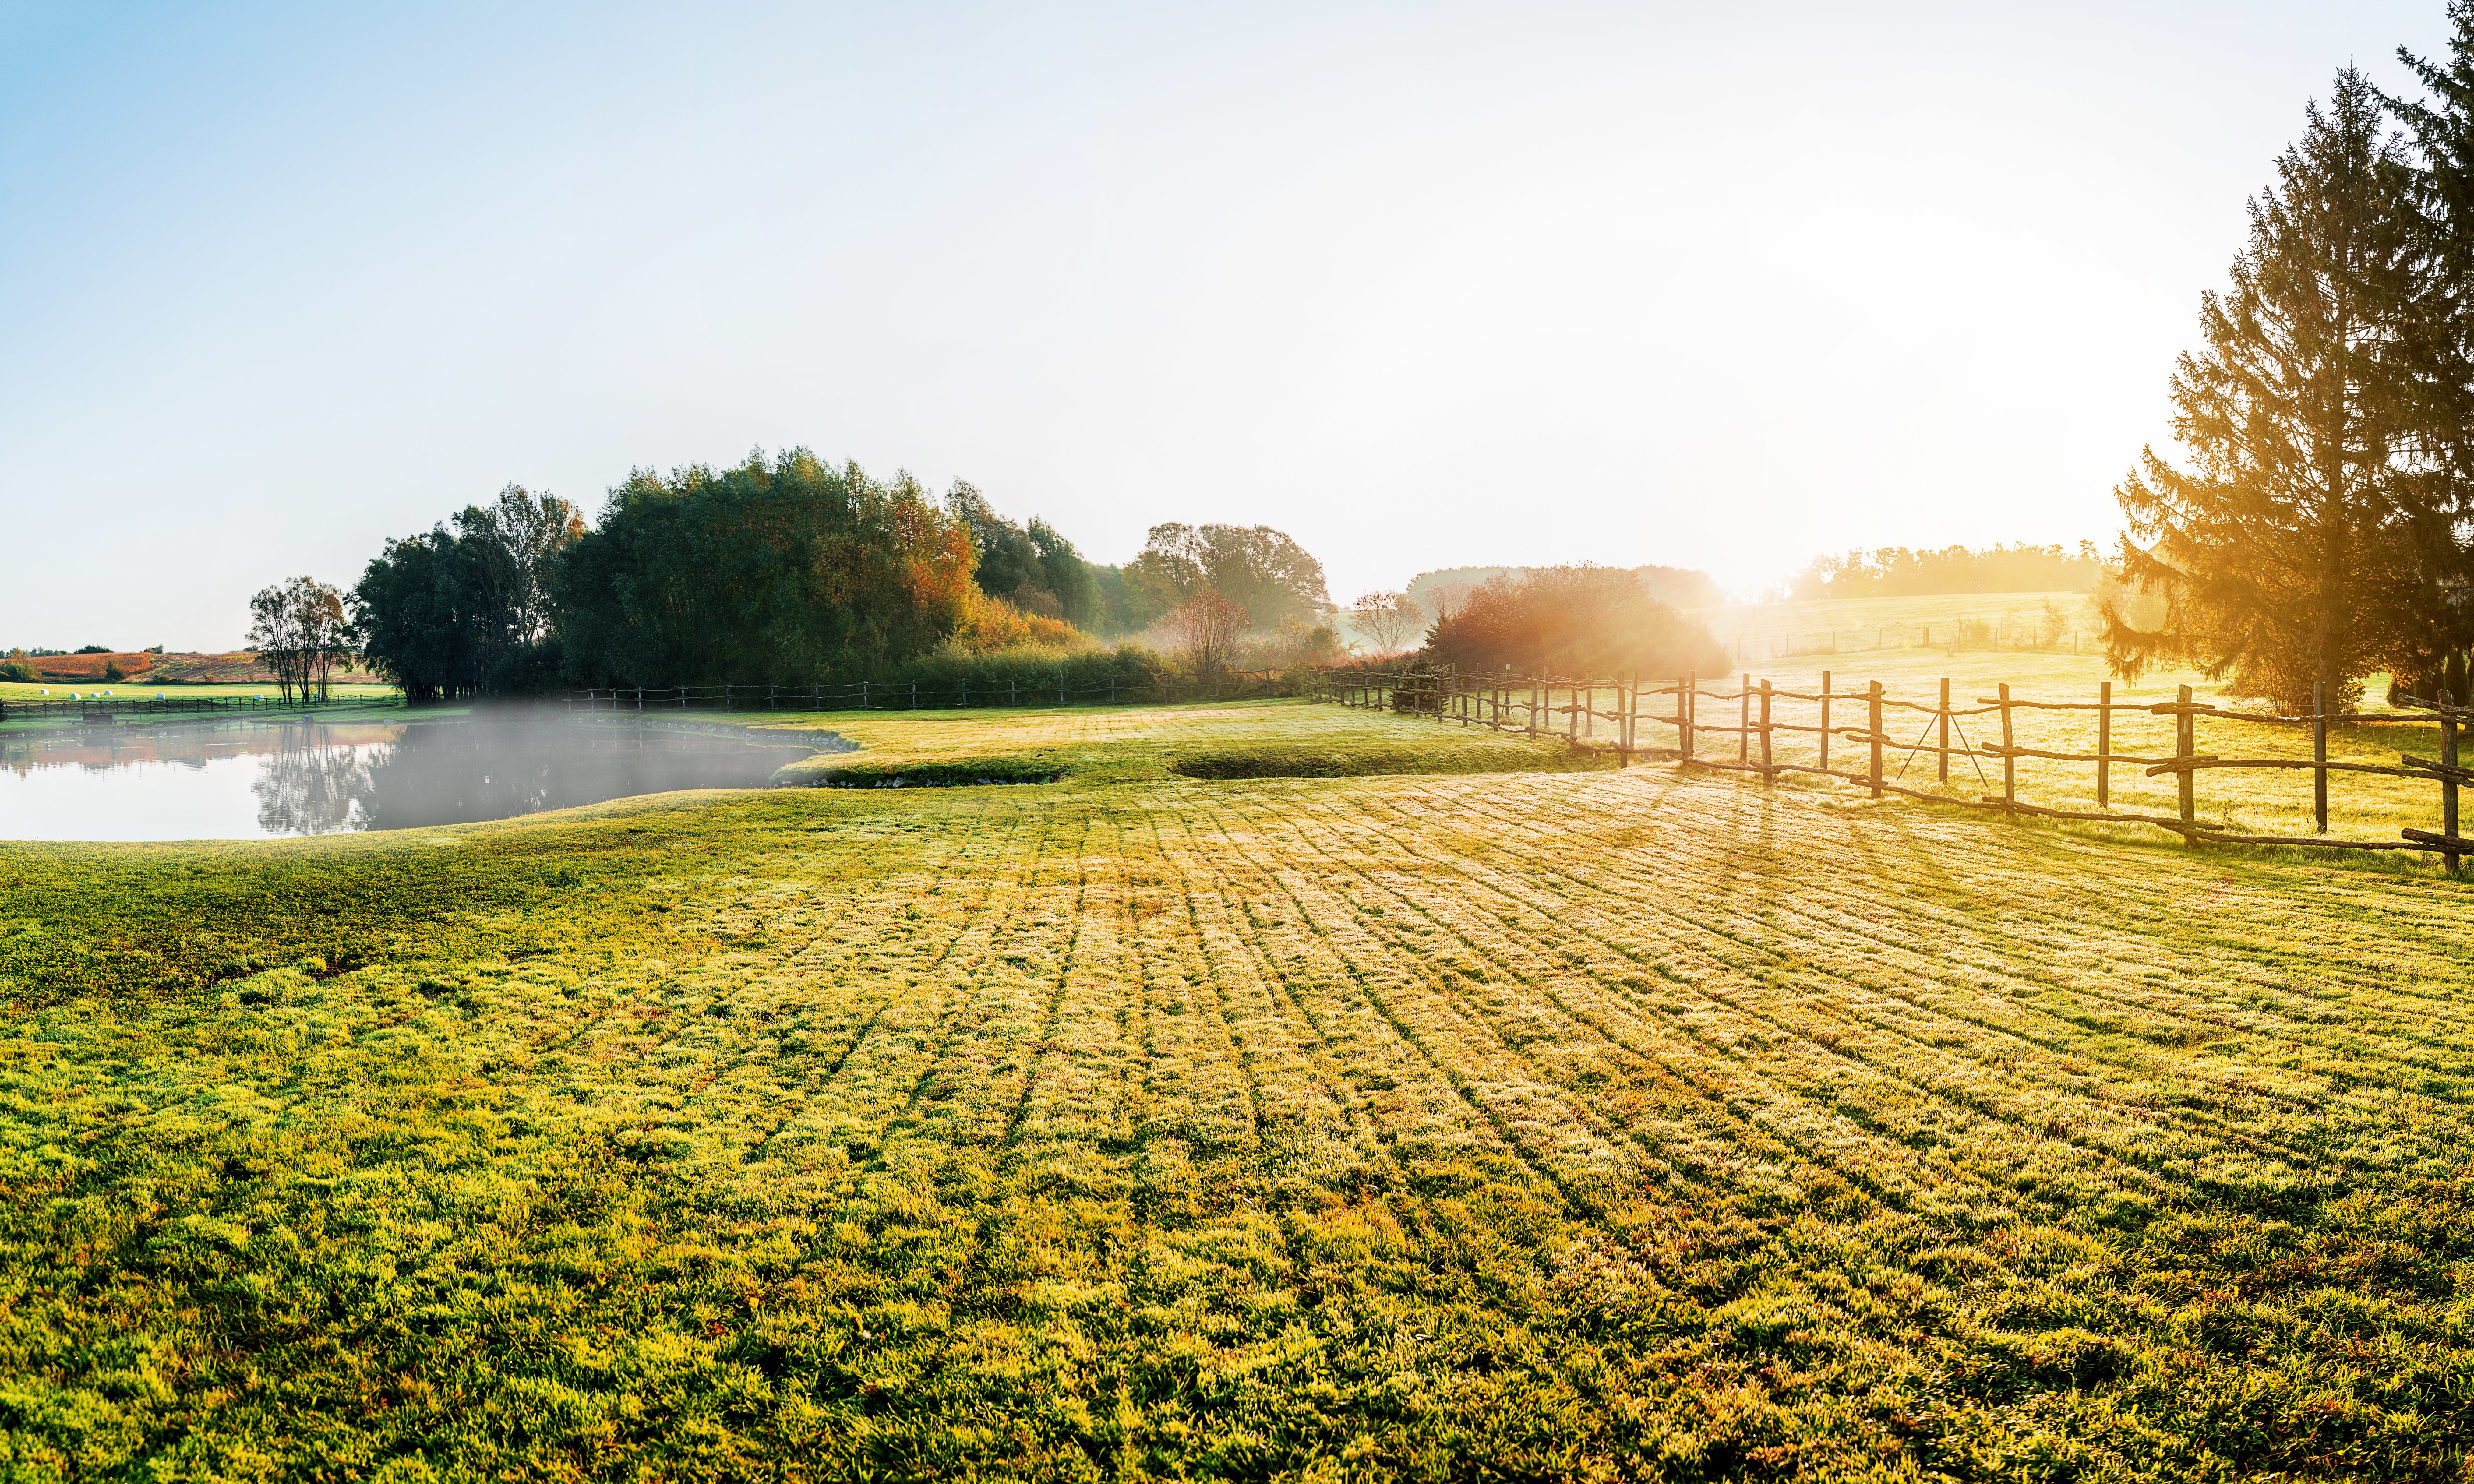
(299, 631)
(1206, 628)
(1262, 571)
(785, 569)
(1390, 621)
(1577, 619)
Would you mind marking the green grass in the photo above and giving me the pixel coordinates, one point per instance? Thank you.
(1438, 1123)
(1092, 745)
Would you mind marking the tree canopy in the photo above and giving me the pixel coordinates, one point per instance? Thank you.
(782, 570)
(786, 570)
(299, 631)
(1262, 571)
(1576, 620)
(471, 611)
(2285, 547)
(1896, 572)
(1034, 569)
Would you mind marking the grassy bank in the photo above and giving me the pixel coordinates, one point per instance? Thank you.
(1093, 746)
(1435, 1123)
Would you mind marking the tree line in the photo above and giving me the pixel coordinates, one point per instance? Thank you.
(2319, 526)
(1895, 571)
(788, 569)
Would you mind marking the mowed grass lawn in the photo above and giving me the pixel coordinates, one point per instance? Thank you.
(1419, 1124)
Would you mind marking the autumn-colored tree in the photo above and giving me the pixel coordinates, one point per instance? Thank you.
(1206, 628)
(785, 569)
(1577, 619)
(299, 632)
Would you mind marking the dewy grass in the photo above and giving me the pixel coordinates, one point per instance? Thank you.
(1438, 1124)
(1094, 745)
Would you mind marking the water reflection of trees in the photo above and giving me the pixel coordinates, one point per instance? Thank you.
(306, 785)
(457, 773)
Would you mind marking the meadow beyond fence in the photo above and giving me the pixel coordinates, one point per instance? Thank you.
(2098, 758)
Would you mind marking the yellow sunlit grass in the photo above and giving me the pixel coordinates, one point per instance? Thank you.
(1535, 1122)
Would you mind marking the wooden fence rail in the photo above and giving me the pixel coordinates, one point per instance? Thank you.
(1569, 707)
(104, 708)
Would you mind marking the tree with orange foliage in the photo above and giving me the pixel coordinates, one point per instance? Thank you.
(1206, 628)
(786, 570)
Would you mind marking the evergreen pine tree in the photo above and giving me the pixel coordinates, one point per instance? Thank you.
(2433, 625)
(2279, 549)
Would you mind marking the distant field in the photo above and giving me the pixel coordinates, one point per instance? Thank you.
(1765, 631)
(1441, 1123)
(239, 668)
(140, 686)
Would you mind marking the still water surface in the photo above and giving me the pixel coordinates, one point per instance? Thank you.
(268, 779)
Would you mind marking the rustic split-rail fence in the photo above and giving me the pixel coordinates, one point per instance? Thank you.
(99, 708)
(1609, 714)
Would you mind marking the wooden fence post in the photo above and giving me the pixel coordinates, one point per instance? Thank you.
(2448, 780)
(1945, 729)
(2009, 758)
(1824, 720)
(1744, 719)
(2185, 747)
(1875, 696)
(1768, 778)
(2320, 754)
(2104, 744)
(1683, 685)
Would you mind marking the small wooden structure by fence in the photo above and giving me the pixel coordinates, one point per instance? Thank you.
(1572, 707)
(1052, 690)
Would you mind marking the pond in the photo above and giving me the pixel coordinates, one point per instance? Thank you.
(262, 780)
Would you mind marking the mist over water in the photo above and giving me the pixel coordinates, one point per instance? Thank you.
(271, 780)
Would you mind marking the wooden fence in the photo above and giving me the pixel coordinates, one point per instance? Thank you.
(1054, 689)
(1571, 708)
(105, 708)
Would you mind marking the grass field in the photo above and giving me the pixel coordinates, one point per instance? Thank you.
(1480, 1121)
(1864, 625)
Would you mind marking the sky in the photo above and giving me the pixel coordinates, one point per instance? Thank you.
(1422, 285)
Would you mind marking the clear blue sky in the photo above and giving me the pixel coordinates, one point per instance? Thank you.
(1424, 285)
